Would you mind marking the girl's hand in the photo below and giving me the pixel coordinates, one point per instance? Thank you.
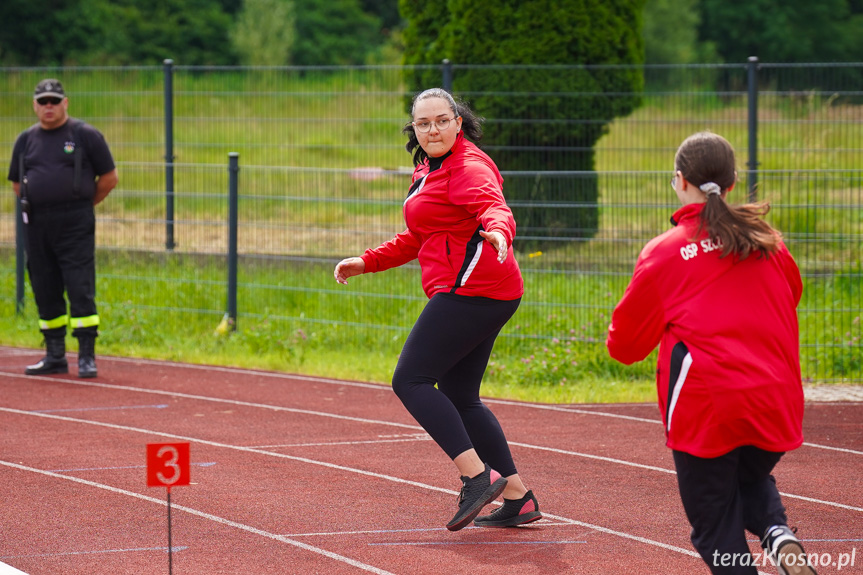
(498, 240)
(347, 268)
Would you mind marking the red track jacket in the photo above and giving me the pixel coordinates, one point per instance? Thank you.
(444, 212)
(729, 357)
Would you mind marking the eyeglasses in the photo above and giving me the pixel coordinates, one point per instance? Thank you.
(674, 182)
(424, 127)
(49, 100)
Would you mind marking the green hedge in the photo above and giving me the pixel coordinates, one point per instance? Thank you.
(570, 102)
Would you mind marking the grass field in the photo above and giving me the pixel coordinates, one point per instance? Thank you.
(323, 174)
(296, 318)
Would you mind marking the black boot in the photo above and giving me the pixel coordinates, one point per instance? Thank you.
(87, 355)
(55, 356)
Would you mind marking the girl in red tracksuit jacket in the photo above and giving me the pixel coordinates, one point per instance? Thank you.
(461, 230)
(719, 293)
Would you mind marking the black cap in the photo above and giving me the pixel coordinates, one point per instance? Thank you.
(49, 87)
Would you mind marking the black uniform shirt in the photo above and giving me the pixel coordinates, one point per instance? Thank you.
(49, 163)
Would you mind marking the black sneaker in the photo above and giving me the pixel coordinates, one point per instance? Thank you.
(782, 545)
(513, 512)
(476, 493)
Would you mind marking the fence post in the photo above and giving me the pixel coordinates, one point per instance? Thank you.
(19, 257)
(169, 154)
(233, 208)
(447, 76)
(752, 82)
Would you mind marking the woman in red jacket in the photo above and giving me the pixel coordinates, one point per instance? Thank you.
(461, 230)
(718, 293)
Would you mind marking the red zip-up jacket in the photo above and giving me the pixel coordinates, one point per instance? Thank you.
(729, 356)
(449, 202)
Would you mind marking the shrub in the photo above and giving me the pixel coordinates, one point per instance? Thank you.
(564, 104)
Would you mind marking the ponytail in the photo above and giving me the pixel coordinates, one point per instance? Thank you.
(739, 229)
(706, 160)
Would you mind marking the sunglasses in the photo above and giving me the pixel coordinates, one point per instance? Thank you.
(49, 100)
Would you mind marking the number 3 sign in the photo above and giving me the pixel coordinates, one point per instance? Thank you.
(167, 464)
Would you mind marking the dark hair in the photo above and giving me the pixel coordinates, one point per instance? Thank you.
(705, 158)
(471, 124)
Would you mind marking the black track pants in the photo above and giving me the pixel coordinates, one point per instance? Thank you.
(60, 258)
(450, 345)
(725, 496)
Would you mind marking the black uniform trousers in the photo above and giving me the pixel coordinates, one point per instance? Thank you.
(723, 498)
(450, 346)
(61, 242)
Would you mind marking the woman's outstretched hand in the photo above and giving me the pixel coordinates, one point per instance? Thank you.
(348, 267)
(499, 242)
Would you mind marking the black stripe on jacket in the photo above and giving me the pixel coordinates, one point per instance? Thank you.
(469, 253)
(678, 354)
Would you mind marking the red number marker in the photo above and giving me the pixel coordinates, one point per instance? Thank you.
(167, 464)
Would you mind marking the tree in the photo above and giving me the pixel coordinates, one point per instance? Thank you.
(784, 31)
(264, 32)
(671, 37)
(540, 118)
(335, 32)
(192, 32)
(671, 33)
(391, 25)
(386, 10)
(115, 32)
(24, 26)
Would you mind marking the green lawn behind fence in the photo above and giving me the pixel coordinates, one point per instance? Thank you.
(294, 317)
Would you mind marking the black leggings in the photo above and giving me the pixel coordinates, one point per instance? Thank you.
(449, 346)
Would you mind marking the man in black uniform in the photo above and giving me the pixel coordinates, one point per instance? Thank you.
(61, 168)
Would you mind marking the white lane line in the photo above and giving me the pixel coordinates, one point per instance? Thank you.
(210, 464)
(12, 351)
(599, 528)
(544, 522)
(112, 408)
(312, 462)
(632, 418)
(842, 449)
(590, 456)
(204, 515)
(232, 370)
(821, 501)
(670, 471)
(390, 423)
(475, 543)
(365, 420)
(95, 552)
(367, 473)
(9, 570)
(333, 381)
(570, 410)
(371, 532)
(328, 443)
(220, 400)
(229, 446)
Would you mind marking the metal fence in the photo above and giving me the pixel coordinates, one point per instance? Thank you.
(323, 173)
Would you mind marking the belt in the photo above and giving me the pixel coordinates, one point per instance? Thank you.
(61, 206)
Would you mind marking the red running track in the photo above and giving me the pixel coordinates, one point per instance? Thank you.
(303, 475)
